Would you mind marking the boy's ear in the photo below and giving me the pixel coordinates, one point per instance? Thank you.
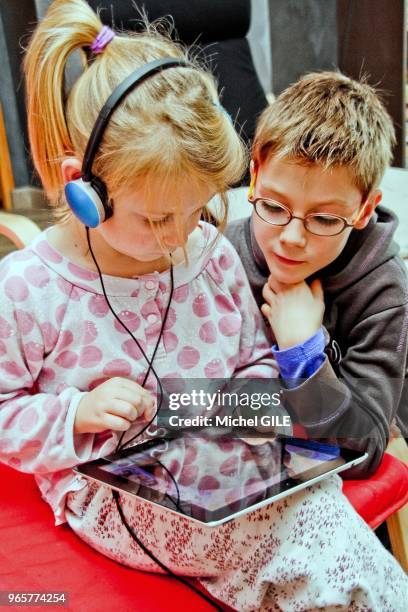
(71, 169)
(369, 206)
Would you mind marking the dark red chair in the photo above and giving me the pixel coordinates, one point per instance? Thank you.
(384, 497)
(37, 556)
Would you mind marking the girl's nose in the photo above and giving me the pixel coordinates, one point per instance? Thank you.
(174, 239)
(294, 233)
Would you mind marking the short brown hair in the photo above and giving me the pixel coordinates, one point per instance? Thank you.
(331, 119)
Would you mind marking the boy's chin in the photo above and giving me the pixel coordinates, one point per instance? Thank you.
(288, 277)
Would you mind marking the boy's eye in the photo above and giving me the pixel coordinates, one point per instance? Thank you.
(324, 225)
(326, 220)
(272, 212)
(271, 206)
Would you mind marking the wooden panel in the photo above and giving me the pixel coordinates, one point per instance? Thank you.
(17, 19)
(397, 524)
(6, 173)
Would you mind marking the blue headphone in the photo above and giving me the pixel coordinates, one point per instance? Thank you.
(87, 196)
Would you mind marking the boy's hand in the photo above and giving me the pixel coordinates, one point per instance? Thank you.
(115, 404)
(295, 312)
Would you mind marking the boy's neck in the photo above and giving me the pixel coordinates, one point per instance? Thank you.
(69, 238)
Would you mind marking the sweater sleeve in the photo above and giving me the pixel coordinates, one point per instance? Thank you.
(302, 360)
(356, 406)
(36, 429)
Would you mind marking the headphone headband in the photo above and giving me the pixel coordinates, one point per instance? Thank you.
(131, 82)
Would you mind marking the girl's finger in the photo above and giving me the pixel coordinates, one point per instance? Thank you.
(133, 394)
(131, 386)
(124, 409)
(266, 310)
(111, 421)
(149, 412)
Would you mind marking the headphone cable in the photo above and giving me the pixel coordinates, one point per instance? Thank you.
(159, 563)
(115, 493)
(149, 362)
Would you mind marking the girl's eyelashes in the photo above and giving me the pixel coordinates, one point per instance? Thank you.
(161, 221)
(169, 218)
(157, 222)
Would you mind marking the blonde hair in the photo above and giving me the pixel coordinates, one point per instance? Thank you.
(168, 126)
(330, 119)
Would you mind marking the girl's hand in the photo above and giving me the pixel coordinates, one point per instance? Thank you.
(295, 312)
(115, 404)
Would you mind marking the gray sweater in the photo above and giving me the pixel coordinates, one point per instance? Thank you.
(359, 389)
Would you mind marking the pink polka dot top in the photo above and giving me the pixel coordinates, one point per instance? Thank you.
(59, 340)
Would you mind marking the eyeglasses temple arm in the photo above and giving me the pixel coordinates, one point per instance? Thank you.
(360, 214)
(252, 186)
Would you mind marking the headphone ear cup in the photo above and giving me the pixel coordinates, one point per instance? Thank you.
(88, 201)
(102, 192)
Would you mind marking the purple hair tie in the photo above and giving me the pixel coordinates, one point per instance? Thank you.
(103, 38)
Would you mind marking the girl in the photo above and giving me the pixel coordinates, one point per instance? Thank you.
(74, 375)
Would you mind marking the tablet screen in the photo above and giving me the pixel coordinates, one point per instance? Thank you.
(210, 479)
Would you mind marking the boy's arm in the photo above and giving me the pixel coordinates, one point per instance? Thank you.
(326, 404)
(352, 408)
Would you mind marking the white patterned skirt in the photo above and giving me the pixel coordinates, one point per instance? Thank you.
(308, 551)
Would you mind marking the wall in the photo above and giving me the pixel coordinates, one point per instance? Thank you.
(260, 42)
(303, 38)
(41, 6)
(303, 35)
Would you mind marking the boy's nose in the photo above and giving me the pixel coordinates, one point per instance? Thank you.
(294, 233)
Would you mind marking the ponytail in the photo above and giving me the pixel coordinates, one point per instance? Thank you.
(67, 26)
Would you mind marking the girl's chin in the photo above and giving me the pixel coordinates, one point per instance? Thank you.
(147, 257)
(142, 257)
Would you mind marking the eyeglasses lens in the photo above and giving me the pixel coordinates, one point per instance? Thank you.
(321, 225)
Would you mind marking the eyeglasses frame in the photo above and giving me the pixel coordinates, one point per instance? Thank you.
(252, 200)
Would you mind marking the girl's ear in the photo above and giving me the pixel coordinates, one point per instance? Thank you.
(71, 169)
(368, 209)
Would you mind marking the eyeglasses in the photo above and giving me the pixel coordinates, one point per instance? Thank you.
(278, 214)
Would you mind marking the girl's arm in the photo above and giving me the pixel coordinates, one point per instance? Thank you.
(36, 429)
(254, 359)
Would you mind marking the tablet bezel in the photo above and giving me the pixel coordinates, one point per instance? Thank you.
(92, 470)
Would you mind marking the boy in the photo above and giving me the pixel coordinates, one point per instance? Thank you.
(336, 291)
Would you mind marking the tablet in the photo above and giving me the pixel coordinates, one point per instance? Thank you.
(212, 481)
